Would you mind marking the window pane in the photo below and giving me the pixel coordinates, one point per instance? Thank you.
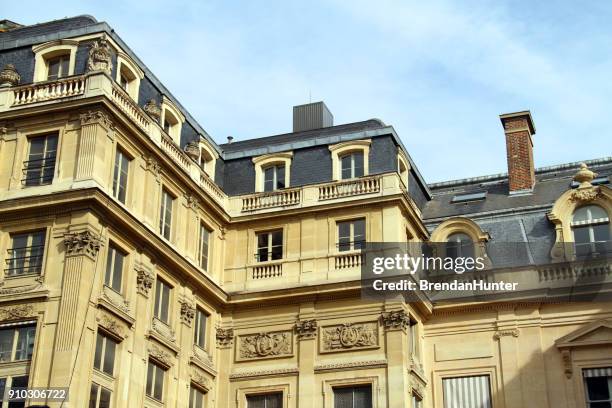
(105, 397)
(343, 397)
(262, 247)
(359, 233)
(597, 388)
(277, 245)
(117, 271)
(165, 302)
(109, 356)
(204, 238)
(358, 164)
(150, 374)
(280, 177)
(93, 395)
(362, 397)
(25, 343)
(346, 163)
(98, 354)
(269, 179)
(159, 383)
(200, 328)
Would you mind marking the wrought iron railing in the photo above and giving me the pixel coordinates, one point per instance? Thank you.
(24, 260)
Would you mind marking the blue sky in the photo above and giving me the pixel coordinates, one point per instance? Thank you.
(439, 72)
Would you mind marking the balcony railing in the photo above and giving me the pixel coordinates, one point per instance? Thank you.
(37, 172)
(269, 270)
(174, 151)
(24, 260)
(348, 260)
(40, 92)
(281, 198)
(366, 185)
(131, 108)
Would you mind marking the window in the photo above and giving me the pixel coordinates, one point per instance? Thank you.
(353, 397)
(417, 402)
(413, 339)
(124, 81)
(104, 359)
(204, 247)
(196, 398)
(591, 227)
(99, 397)
(114, 268)
(58, 67)
(352, 165)
(459, 245)
(598, 386)
(403, 169)
(269, 246)
(40, 166)
(162, 300)
(171, 119)
(120, 175)
(272, 400)
(128, 75)
(13, 383)
(25, 256)
(351, 235)
(199, 335)
(467, 392)
(155, 381)
(165, 214)
(274, 177)
(17, 342)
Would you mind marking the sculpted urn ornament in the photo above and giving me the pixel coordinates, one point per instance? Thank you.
(100, 57)
(152, 109)
(585, 192)
(9, 76)
(193, 150)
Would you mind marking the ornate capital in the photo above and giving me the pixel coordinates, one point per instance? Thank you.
(82, 243)
(306, 329)
(16, 312)
(95, 117)
(151, 165)
(509, 332)
(100, 57)
(152, 109)
(396, 320)
(9, 76)
(144, 279)
(225, 337)
(187, 312)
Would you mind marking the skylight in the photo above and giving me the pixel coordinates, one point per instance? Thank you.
(462, 198)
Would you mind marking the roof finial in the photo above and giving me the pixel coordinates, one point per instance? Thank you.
(584, 176)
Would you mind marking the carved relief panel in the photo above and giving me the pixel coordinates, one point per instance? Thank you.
(348, 337)
(264, 345)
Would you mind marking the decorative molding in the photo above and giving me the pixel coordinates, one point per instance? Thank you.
(566, 355)
(395, 320)
(585, 195)
(112, 326)
(508, 332)
(152, 165)
(193, 150)
(349, 336)
(199, 378)
(265, 345)
(225, 337)
(96, 117)
(82, 243)
(160, 356)
(16, 312)
(153, 109)
(20, 289)
(115, 299)
(165, 331)
(264, 373)
(347, 365)
(144, 279)
(192, 201)
(187, 312)
(9, 76)
(100, 57)
(306, 329)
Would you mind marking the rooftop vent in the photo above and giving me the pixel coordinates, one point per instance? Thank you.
(464, 198)
(311, 116)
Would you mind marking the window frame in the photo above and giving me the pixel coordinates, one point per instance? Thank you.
(44, 52)
(268, 160)
(199, 335)
(126, 65)
(116, 182)
(30, 234)
(169, 109)
(99, 390)
(163, 213)
(45, 152)
(157, 368)
(340, 150)
(277, 184)
(112, 249)
(351, 243)
(157, 302)
(353, 387)
(589, 225)
(270, 246)
(17, 328)
(195, 389)
(204, 227)
(105, 339)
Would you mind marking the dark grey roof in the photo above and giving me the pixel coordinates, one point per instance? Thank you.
(11, 38)
(551, 182)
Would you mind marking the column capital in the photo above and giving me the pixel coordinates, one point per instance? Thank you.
(82, 243)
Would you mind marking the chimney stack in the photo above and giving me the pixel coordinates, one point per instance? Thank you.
(311, 116)
(519, 128)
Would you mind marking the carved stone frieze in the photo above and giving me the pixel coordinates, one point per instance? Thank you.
(112, 326)
(264, 373)
(82, 243)
(349, 336)
(225, 337)
(16, 312)
(192, 201)
(344, 365)
(144, 279)
(163, 330)
(265, 345)
(585, 195)
(19, 289)
(508, 332)
(9, 76)
(161, 356)
(395, 320)
(115, 299)
(152, 109)
(306, 329)
(199, 378)
(100, 57)
(187, 312)
(96, 117)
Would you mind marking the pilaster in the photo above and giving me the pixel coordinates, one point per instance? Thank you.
(96, 126)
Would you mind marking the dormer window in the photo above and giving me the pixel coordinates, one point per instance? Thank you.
(171, 120)
(272, 171)
(274, 177)
(352, 165)
(128, 75)
(459, 245)
(124, 81)
(591, 227)
(57, 67)
(350, 159)
(54, 60)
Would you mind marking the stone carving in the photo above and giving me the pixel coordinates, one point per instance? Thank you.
(306, 329)
(111, 325)
(225, 337)
(9, 76)
(344, 365)
(202, 355)
(192, 201)
(566, 354)
(585, 192)
(163, 330)
(115, 299)
(19, 289)
(152, 109)
(193, 150)
(509, 332)
(396, 320)
(152, 165)
(265, 345)
(349, 336)
(100, 57)
(82, 243)
(187, 312)
(264, 373)
(16, 312)
(199, 379)
(144, 279)
(95, 117)
(160, 356)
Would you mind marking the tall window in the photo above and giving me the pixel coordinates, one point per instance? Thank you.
(104, 359)
(598, 386)
(155, 381)
(467, 392)
(162, 300)
(353, 397)
(199, 335)
(274, 177)
(196, 397)
(351, 235)
(351, 165)
(269, 246)
(25, 256)
(459, 245)
(591, 227)
(13, 382)
(40, 166)
(57, 67)
(417, 402)
(203, 248)
(17, 343)
(114, 268)
(99, 397)
(165, 214)
(120, 175)
(271, 400)
(413, 339)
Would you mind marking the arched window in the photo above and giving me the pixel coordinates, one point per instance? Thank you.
(459, 245)
(352, 165)
(274, 177)
(591, 228)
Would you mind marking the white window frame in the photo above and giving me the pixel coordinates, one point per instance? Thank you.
(342, 149)
(265, 161)
(51, 49)
(125, 65)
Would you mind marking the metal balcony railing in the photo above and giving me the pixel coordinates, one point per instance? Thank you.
(24, 260)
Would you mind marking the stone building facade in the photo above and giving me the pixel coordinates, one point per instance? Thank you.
(145, 265)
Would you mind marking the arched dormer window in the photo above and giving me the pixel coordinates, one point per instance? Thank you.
(171, 119)
(54, 60)
(208, 158)
(460, 237)
(350, 159)
(272, 171)
(591, 230)
(128, 75)
(403, 168)
(459, 245)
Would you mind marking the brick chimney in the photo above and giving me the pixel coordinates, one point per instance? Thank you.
(518, 128)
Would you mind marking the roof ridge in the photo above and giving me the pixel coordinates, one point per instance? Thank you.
(89, 16)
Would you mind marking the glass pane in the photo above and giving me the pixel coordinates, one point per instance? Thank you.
(93, 395)
(358, 163)
(359, 233)
(362, 397)
(274, 400)
(25, 343)
(6, 344)
(269, 179)
(109, 356)
(280, 177)
(53, 68)
(343, 397)
(117, 271)
(262, 247)
(346, 167)
(344, 236)
(165, 303)
(98, 354)
(150, 373)
(256, 401)
(63, 66)
(159, 383)
(597, 388)
(105, 397)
